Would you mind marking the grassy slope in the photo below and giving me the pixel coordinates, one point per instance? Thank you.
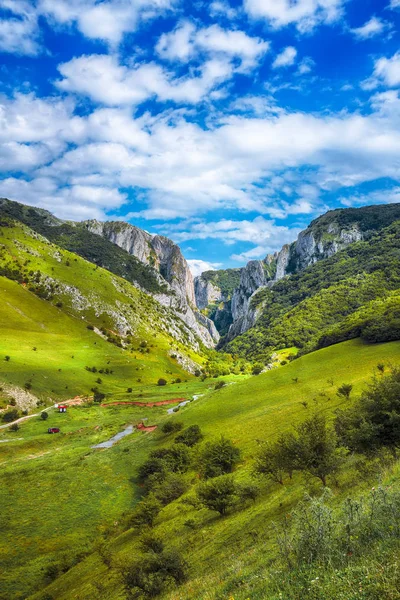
(88, 295)
(230, 555)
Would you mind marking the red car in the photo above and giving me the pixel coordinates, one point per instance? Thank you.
(53, 430)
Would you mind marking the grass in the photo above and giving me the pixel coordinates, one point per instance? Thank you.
(228, 556)
(79, 295)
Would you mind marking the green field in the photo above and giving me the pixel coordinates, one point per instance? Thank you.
(72, 495)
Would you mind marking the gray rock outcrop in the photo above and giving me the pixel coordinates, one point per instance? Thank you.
(166, 257)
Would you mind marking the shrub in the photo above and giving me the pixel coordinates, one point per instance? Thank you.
(146, 512)
(190, 436)
(257, 369)
(218, 494)
(171, 427)
(219, 385)
(345, 390)
(44, 415)
(173, 487)
(10, 415)
(154, 573)
(162, 381)
(218, 458)
(7, 358)
(14, 427)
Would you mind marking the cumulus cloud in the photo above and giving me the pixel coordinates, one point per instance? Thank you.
(371, 28)
(274, 163)
(19, 33)
(286, 58)
(185, 42)
(108, 20)
(198, 266)
(104, 80)
(305, 14)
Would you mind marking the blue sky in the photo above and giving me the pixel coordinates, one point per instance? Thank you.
(227, 126)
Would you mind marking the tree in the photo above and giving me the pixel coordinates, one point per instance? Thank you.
(162, 381)
(374, 421)
(7, 358)
(218, 494)
(274, 460)
(14, 427)
(218, 458)
(317, 451)
(345, 390)
(190, 436)
(44, 415)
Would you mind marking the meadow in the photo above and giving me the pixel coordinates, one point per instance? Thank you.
(75, 498)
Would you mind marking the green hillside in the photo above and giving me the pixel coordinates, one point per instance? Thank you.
(76, 238)
(303, 310)
(60, 314)
(94, 488)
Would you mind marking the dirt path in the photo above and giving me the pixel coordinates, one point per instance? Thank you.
(73, 402)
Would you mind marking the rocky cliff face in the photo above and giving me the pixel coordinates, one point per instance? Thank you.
(206, 293)
(312, 245)
(165, 256)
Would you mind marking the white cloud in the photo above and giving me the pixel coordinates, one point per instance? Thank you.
(387, 70)
(306, 66)
(275, 164)
(177, 44)
(269, 235)
(305, 14)
(19, 33)
(108, 20)
(198, 266)
(390, 196)
(102, 79)
(71, 202)
(394, 4)
(371, 28)
(185, 42)
(221, 8)
(286, 58)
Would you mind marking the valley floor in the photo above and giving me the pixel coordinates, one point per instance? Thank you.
(61, 499)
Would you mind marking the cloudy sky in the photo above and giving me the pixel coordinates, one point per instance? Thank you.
(227, 125)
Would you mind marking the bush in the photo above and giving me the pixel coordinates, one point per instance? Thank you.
(162, 381)
(172, 427)
(146, 512)
(10, 415)
(44, 415)
(218, 494)
(14, 427)
(173, 487)
(218, 458)
(345, 390)
(154, 574)
(190, 436)
(219, 385)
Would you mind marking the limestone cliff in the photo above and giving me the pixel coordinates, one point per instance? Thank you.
(325, 236)
(163, 255)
